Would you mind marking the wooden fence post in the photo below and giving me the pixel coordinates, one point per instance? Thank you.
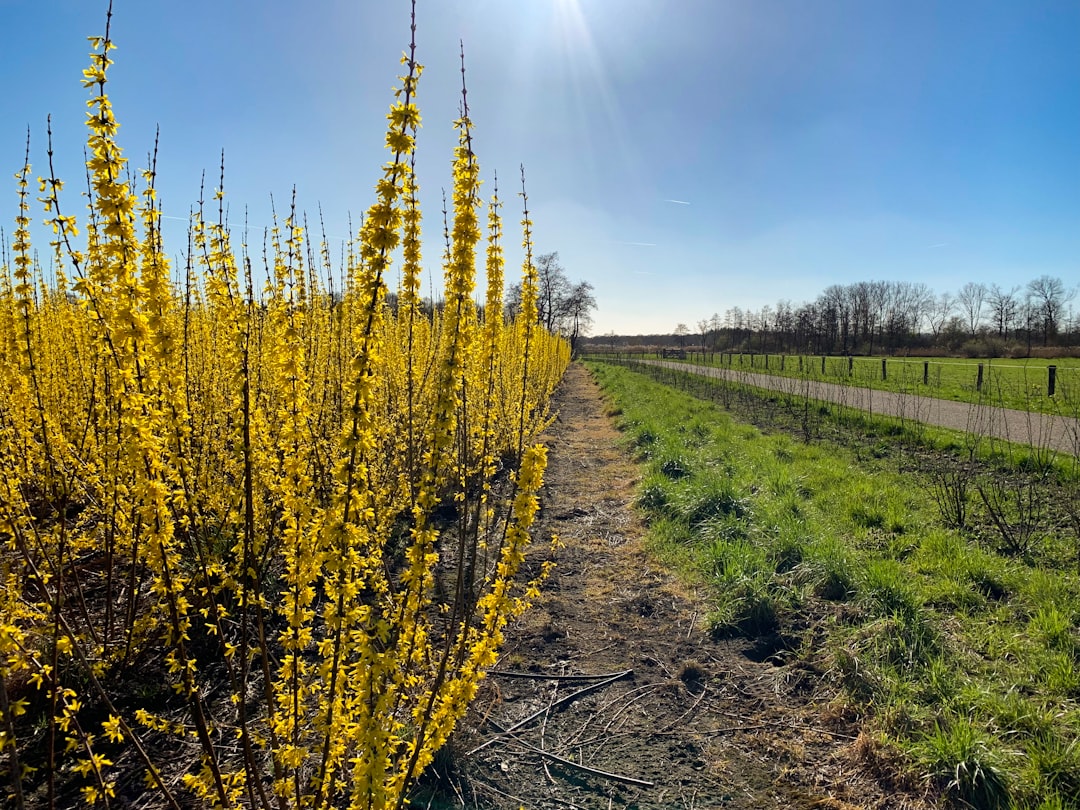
(1051, 380)
(850, 365)
(883, 368)
(979, 378)
(926, 372)
(823, 365)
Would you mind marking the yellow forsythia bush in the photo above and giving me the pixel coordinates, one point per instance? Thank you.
(248, 519)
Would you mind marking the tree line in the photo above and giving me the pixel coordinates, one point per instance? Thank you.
(870, 317)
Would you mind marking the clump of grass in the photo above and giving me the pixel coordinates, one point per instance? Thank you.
(787, 552)
(832, 571)
(942, 681)
(710, 499)
(746, 598)
(749, 605)
(642, 440)
(958, 757)
(1052, 768)
(675, 468)
(1059, 675)
(867, 516)
(990, 583)
(1054, 628)
(693, 674)
(653, 496)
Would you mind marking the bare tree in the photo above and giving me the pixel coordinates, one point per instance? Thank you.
(553, 288)
(879, 296)
(971, 298)
(922, 300)
(910, 302)
(1048, 296)
(734, 321)
(703, 330)
(577, 317)
(785, 322)
(835, 317)
(862, 318)
(1004, 308)
(940, 312)
(765, 319)
(562, 307)
(806, 334)
(682, 331)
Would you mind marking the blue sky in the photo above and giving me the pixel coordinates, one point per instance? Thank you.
(684, 156)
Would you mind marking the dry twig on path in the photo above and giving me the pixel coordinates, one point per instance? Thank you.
(561, 702)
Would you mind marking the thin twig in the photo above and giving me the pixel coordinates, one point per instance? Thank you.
(557, 704)
(543, 731)
(538, 676)
(797, 727)
(693, 623)
(644, 693)
(752, 727)
(575, 738)
(685, 714)
(626, 780)
(488, 786)
(709, 731)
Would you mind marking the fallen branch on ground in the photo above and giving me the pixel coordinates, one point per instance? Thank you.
(561, 702)
(626, 780)
(539, 676)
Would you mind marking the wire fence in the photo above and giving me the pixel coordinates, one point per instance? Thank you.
(1038, 386)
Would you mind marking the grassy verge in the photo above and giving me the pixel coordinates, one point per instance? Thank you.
(1019, 384)
(964, 659)
(811, 418)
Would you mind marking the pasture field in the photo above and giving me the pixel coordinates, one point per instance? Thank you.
(1010, 383)
(958, 652)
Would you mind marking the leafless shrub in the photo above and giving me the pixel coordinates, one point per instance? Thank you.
(1016, 506)
(950, 485)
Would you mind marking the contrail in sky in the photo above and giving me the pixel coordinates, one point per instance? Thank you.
(639, 244)
(678, 202)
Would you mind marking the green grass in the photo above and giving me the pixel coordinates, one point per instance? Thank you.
(888, 431)
(967, 660)
(1010, 383)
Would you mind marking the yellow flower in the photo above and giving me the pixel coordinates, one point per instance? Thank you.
(112, 729)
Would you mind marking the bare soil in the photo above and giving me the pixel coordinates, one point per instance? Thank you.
(690, 721)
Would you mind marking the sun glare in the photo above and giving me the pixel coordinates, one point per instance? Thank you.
(594, 106)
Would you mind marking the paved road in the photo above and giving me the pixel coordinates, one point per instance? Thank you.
(1061, 433)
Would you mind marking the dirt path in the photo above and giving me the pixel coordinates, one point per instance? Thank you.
(1060, 433)
(684, 720)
